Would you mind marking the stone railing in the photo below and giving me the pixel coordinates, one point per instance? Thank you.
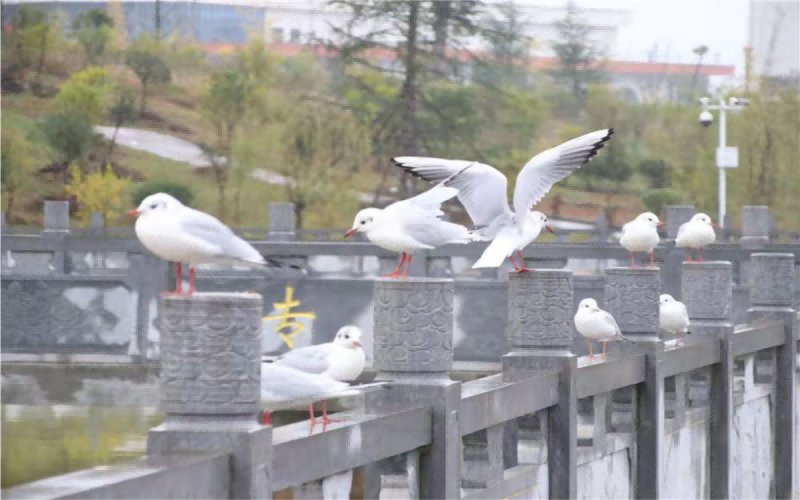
(100, 292)
(711, 417)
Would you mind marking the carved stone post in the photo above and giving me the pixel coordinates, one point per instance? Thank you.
(631, 296)
(56, 216)
(281, 222)
(673, 257)
(540, 310)
(707, 290)
(708, 295)
(755, 226)
(211, 385)
(413, 347)
(771, 296)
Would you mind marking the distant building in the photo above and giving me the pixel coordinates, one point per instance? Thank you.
(774, 39)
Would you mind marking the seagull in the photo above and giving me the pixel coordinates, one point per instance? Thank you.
(282, 385)
(413, 224)
(175, 232)
(596, 324)
(342, 360)
(641, 235)
(673, 316)
(509, 238)
(482, 191)
(696, 233)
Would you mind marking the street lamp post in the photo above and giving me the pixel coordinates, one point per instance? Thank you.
(727, 157)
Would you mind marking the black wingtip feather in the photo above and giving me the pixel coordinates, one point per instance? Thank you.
(598, 146)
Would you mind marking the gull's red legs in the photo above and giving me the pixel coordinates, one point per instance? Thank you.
(408, 263)
(591, 355)
(516, 268)
(178, 282)
(689, 251)
(397, 269)
(700, 256)
(633, 263)
(523, 268)
(325, 419)
(191, 280)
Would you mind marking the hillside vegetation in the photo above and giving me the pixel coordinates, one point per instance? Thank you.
(331, 124)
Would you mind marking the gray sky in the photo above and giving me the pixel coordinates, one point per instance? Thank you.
(678, 26)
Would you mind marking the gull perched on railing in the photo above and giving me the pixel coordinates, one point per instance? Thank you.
(282, 386)
(672, 315)
(482, 191)
(414, 224)
(696, 233)
(342, 360)
(596, 324)
(177, 233)
(641, 235)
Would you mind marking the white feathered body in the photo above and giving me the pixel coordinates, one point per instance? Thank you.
(695, 234)
(507, 240)
(186, 235)
(597, 326)
(639, 237)
(343, 364)
(673, 317)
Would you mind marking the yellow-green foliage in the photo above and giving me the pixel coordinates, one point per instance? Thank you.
(41, 444)
(102, 192)
(87, 91)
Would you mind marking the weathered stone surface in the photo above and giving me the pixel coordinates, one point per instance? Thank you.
(677, 215)
(211, 354)
(56, 215)
(540, 309)
(707, 290)
(755, 226)
(631, 296)
(281, 221)
(413, 325)
(772, 279)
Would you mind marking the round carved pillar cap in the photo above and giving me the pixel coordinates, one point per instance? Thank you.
(540, 307)
(707, 290)
(211, 354)
(413, 325)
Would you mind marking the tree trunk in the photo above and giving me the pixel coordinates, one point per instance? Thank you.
(42, 58)
(9, 204)
(299, 212)
(111, 143)
(442, 11)
(144, 98)
(409, 93)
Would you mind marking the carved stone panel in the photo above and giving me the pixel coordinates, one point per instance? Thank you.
(540, 309)
(707, 290)
(631, 296)
(413, 325)
(772, 279)
(211, 354)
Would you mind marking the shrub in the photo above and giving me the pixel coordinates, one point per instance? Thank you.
(100, 191)
(657, 171)
(180, 191)
(656, 200)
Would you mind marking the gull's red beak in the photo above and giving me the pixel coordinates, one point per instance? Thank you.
(547, 226)
(133, 213)
(348, 233)
(660, 223)
(357, 343)
(596, 310)
(713, 225)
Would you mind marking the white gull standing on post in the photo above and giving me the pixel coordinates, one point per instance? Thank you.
(283, 386)
(342, 360)
(696, 233)
(413, 224)
(641, 235)
(672, 315)
(177, 233)
(596, 324)
(482, 191)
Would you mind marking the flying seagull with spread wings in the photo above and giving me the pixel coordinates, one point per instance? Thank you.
(482, 191)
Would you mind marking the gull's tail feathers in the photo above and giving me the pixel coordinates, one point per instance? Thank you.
(494, 255)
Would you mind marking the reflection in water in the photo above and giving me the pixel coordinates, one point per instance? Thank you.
(43, 441)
